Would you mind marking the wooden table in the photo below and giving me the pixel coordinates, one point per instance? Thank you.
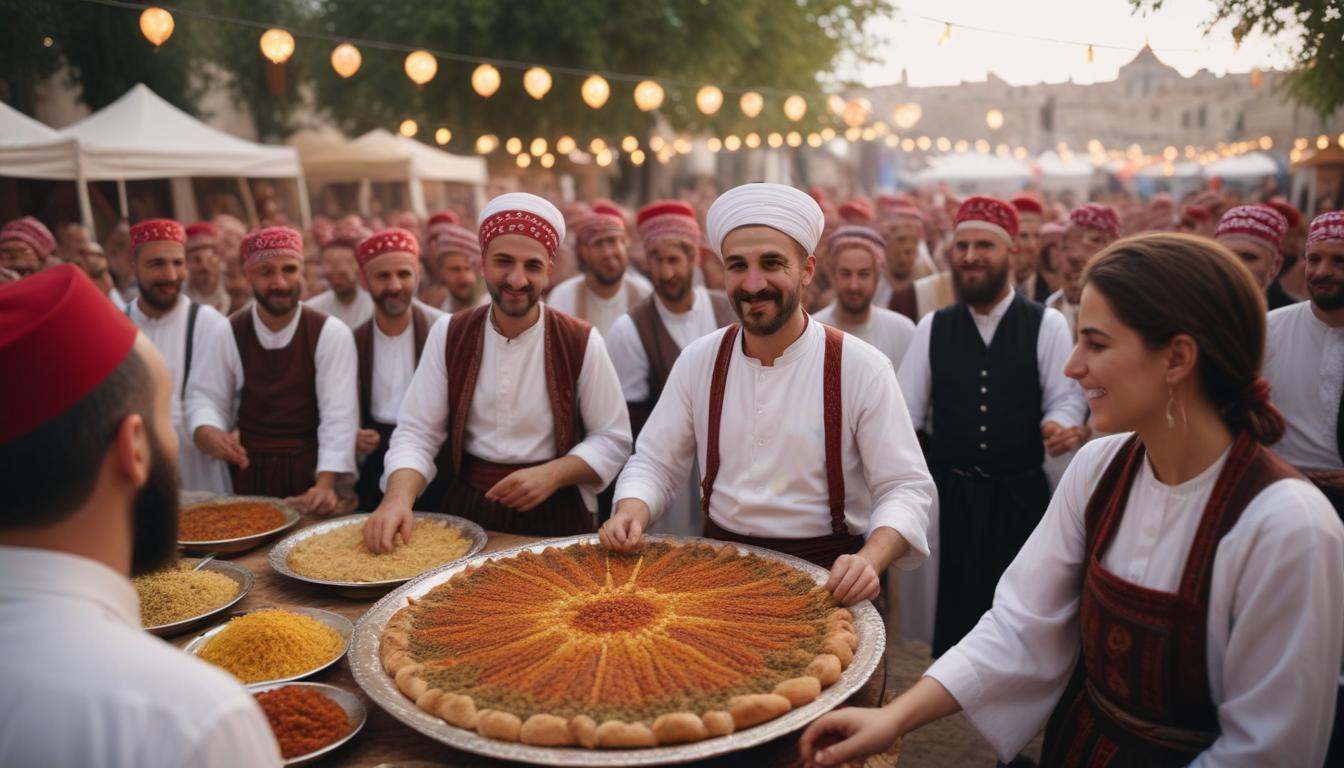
(386, 740)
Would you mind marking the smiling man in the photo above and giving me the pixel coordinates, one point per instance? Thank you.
(606, 290)
(985, 377)
(523, 397)
(855, 255)
(183, 331)
(804, 442)
(1255, 234)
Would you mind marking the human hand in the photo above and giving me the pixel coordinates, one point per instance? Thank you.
(389, 519)
(846, 734)
(1060, 439)
(853, 580)
(225, 446)
(524, 489)
(623, 531)
(319, 500)
(366, 441)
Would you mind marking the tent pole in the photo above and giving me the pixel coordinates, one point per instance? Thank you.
(249, 204)
(121, 200)
(418, 197)
(305, 207)
(82, 192)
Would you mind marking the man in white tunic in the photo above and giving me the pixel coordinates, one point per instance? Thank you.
(280, 403)
(86, 470)
(523, 398)
(457, 256)
(645, 343)
(854, 257)
(344, 300)
(818, 457)
(205, 279)
(606, 289)
(185, 333)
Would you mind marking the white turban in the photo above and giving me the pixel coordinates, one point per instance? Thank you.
(777, 206)
(519, 213)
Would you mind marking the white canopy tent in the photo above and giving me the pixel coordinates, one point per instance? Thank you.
(141, 136)
(1251, 165)
(18, 128)
(1064, 173)
(972, 171)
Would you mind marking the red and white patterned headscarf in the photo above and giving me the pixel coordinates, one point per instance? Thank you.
(271, 243)
(520, 213)
(1327, 228)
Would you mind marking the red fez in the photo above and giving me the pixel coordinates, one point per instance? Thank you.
(610, 209)
(1028, 205)
(1052, 230)
(1288, 210)
(444, 217)
(1194, 213)
(1257, 222)
(30, 232)
(202, 233)
(1097, 217)
(451, 238)
(271, 243)
(596, 225)
(348, 232)
(1327, 228)
(324, 230)
(856, 236)
(673, 219)
(157, 230)
(991, 213)
(394, 240)
(856, 209)
(59, 339)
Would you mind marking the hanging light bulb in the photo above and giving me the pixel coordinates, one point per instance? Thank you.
(156, 25)
(523, 161)
(443, 136)
(565, 144)
(751, 103)
(345, 59)
(753, 141)
(857, 112)
(513, 145)
(548, 160)
(408, 128)
(277, 45)
(907, 115)
(732, 143)
(657, 143)
(597, 146)
(1091, 54)
(994, 119)
(648, 96)
(708, 99)
(795, 107)
(637, 157)
(629, 144)
(421, 67)
(836, 104)
(814, 140)
(485, 80)
(486, 143)
(714, 144)
(946, 36)
(1257, 77)
(538, 147)
(794, 139)
(537, 82)
(604, 158)
(595, 91)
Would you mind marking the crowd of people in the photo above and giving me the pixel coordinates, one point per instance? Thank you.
(1096, 449)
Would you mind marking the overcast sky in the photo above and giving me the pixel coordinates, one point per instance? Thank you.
(1175, 33)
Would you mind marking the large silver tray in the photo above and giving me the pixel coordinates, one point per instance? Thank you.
(369, 674)
(242, 543)
(279, 555)
(336, 621)
(354, 709)
(238, 573)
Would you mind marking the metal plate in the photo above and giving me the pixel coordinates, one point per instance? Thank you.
(368, 672)
(242, 543)
(279, 555)
(336, 621)
(233, 571)
(354, 710)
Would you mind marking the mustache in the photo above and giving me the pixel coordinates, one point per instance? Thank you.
(769, 294)
(1324, 281)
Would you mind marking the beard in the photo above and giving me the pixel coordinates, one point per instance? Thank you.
(983, 292)
(607, 279)
(394, 303)
(1322, 297)
(498, 297)
(854, 303)
(271, 300)
(157, 297)
(785, 306)
(672, 291)
(462, 295)
(155, 514)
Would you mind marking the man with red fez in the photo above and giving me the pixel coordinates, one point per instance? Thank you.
(1290, 285)
(645, 343)
(1027, 257)
(231, 233)
(1196, 220)
(906, 259)
(90, 499)
(985, 378)
(25, 245)
(457, 256)
(205, 284)
(344, 298)
(856, 210)
(389, 347)
(854, 257)
(1255, 234)
(1091, 227)
(803, 441)
(278, 404)
(521, 399)
(185, 333)
(606, 289)
(94, 264)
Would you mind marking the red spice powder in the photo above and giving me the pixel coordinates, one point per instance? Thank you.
(212, 522)
(302, 719)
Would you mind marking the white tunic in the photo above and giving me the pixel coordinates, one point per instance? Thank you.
(393, 367)
(169, 334)
(772, 471)
(511, 420)
(1057, 301)
(891, 332)
(602, 313)
(1304, 363)
(85, 686)
(1062, 400)
(354, 314)
(1275, 630)
(214, 402)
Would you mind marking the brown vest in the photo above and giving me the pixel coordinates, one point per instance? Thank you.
(565, 342)
(903, 301)
(364, 346)
(662, 351)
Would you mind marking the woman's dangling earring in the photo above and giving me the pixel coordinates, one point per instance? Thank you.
(1171, 403)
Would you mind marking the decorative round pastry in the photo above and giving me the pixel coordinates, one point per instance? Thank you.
(582, 646)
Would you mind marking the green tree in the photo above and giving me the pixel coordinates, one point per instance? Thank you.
(1318, 81)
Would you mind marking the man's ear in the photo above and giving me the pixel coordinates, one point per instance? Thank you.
(130, 452)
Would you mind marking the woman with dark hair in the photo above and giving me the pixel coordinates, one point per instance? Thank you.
(1193, 576)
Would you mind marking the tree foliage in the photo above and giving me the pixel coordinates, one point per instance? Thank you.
(1318, 81)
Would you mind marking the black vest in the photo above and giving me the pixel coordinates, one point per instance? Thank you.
(986, 401)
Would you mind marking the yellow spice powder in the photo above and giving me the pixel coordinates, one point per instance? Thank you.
(176, 593)
(272, 644)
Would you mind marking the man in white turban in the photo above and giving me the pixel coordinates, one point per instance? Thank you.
(804, 443)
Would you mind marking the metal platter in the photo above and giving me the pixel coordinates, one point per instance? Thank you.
(233, 571)
(369, 674)
(354, 710)
(242, 543)
(279, 555)
(336, 621)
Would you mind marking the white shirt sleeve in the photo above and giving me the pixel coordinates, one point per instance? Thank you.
(667, 445)
(215, 383)
(606, 422)
(627, 356)
(915, 376)
(337, 365)
(240, 736)
(422, 423)
(1062, 398)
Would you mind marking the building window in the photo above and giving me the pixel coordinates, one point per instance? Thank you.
(1202, 119)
